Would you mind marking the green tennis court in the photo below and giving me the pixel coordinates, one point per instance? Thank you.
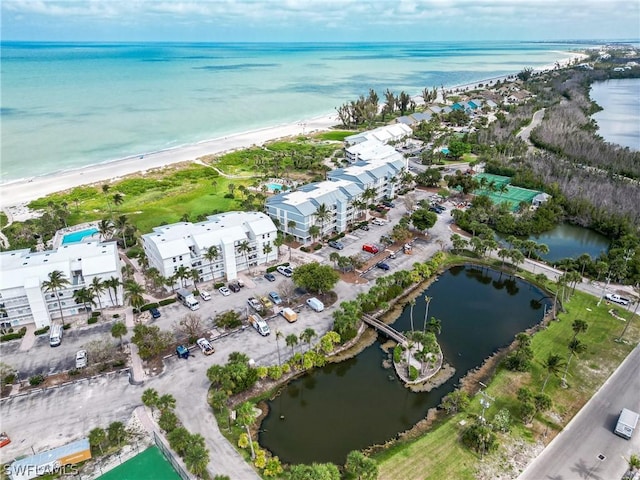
(148, 464)
(503, 192)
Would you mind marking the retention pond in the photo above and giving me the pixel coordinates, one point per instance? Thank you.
(351, 405)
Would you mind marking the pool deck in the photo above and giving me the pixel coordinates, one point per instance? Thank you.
(58, 238)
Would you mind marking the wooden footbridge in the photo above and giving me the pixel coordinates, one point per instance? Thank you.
(384, 328)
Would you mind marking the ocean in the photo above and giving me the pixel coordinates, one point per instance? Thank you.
(70, 105)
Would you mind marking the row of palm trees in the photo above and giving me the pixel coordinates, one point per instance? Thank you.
(57, 282)
(121, 226)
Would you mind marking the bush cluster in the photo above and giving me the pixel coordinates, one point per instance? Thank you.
(149, 306)
(13, 336)
(41, 331)
(167, 301)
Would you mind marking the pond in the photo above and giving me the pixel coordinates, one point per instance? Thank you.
(571, 241)
(347, 406)
(619, 120)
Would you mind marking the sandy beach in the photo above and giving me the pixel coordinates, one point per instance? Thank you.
(23, 191)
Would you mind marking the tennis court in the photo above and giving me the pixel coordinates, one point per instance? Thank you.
(503, 192)
(148, 464)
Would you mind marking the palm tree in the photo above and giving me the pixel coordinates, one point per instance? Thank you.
(314, 230)
(112, 284)
(267, 249)
(291, 224)
(412, 303)
(56, 282)
(369, 194)
(119, 330)
(97, 288)
(553, 364)
(166, 402)
(211, 255)
(122, 223)
(575, 347)
(105, 229)
(307, 335)
(84, 297)
(434, 326)
(427, 301)
(322, 215)
(291, 340)
(118, 199)
(334, 257)
(133, 292)
(150, 398)
(278, 242)
(279, 335)
(578, 326)
(244, 247)
(182, 273)
(246, 416)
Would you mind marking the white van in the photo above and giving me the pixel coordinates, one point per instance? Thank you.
(55, 334)
(315, 304)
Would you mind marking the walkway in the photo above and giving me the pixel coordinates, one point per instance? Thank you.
(386, 329)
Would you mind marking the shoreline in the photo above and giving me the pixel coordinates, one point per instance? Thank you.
(19, 192)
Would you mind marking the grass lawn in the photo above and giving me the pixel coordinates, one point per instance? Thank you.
(438, 454)
(335, 135)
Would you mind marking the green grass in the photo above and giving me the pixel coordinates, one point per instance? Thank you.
(447, 458)
(335, 135)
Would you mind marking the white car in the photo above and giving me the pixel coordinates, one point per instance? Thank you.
(81, 359)
(286, 271)
(205, 346)
(224, 291)
(205, 295)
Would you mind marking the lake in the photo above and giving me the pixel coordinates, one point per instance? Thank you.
(619, 121)
(357, 403)
(571, 241)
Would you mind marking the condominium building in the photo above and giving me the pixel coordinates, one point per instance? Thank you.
(24, 299)
(217, 248)
(386, 134)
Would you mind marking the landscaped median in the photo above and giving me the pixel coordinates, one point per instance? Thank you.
(519, 412)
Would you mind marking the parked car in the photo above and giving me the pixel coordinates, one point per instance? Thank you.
(155, 313)
(315, 304)
(266, 302)
(379, 222)
(383, 266)
(389, 204)
(336, 244)
(367, 247)
(275, 298)
(224, 291)
(364, 227)
(205, 346)
(81, 359)
(234, 287)
(205, 295)
(182, 352)
(286, 271)
(239, 282)
(254, 303)
(270, 276)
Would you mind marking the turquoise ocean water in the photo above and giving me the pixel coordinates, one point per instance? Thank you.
(68, 105)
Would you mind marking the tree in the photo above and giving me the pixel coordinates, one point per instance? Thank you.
(97, 288)
(182, 273)
(315, 471)
(553, 365)
(579, 326)
(190, 326)
(122, 224)
(196, 457)
(455, 402)
(119, 330)
(308, 335)
(480, 438)
(315, 278)
(133, 292)
(211, 255)
(245, 417)
(575, 347)
(116, 433)
(360, 466)
(412, 304)
(56, 282)
(150, 398)
(458, 242)
(423, 219)
(291, 340)
(97, 438)
(105, 229)
(83, 296)
(314, 231)
(150, 340)
(168, 421)
(323, 213)
(525, 74)
(244, 248)
(113, 283)
(166, 402)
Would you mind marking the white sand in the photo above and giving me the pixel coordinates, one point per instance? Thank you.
(20, 192)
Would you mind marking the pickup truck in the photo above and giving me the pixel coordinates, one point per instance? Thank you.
(254, 303)
(614, 297)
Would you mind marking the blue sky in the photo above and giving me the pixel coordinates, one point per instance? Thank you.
(318, 20)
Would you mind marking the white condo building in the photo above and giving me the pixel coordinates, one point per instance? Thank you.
(186, 244)
(24, 300)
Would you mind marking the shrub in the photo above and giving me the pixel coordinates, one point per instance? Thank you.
(168, 420)
(13, 336)
(275, 372)
(397, 353)
(218, 285)
(480, 438)
(304, 249)
(73, 372)
(42, 331)
(66, 326)
(116, 315)
(413, 372)
(118, 364)
(167, 301)
(149, 306)
(92, 320)
(134, 252)
(271, 269)
(96, 314)
(317, 246)
(9, 379)
(36, 380)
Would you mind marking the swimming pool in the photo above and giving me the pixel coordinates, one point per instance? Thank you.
(78, 236)
(274, 187)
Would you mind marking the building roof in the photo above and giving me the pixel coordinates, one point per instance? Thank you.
(92, 258)
(387, 133)
(307, 198)
(50, 456)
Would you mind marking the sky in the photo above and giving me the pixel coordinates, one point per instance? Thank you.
(318, 20)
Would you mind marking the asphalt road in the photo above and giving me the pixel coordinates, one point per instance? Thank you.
(587, 448)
